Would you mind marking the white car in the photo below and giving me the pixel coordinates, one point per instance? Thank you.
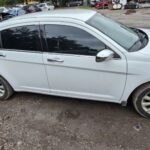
(46, 6)
(4, 9)
(75, 53)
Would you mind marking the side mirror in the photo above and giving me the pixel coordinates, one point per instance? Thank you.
(104, 55)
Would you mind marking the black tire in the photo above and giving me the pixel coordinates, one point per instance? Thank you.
(8, 90)
(139, 99)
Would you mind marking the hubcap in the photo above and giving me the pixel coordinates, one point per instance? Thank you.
(2, 90)
(146, 103)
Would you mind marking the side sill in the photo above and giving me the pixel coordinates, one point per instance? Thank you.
(124, 103)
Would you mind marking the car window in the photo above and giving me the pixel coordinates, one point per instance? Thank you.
(49, 3)
(41, 5)
(71, 40)
(21, 38)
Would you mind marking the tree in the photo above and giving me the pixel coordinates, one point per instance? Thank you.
(26, 1)
(10, 2)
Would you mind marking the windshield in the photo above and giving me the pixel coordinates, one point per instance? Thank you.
(49, 3)
(12, 12)
(121, 34)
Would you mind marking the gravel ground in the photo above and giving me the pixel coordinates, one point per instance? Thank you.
(39, 122)
(141, 18)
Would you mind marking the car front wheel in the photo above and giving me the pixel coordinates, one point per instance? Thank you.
(141, 100)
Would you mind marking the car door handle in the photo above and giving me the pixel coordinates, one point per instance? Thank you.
(54, 60)
(2, 55)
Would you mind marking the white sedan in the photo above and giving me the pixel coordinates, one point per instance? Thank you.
(75, 53)
(46, 6)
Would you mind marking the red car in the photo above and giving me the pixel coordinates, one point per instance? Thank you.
(103, 4)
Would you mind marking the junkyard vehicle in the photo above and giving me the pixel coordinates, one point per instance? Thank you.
(3, 10)
(13, 12)
(93, 2)
(31, 9)
(103, 4)
(75, 53)
(46, 6)
(116, 4)
(75, 3)
(131, 5)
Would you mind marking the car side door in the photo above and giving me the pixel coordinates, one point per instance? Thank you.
(71, 66)
(21, 61)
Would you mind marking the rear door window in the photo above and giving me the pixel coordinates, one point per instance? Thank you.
(21, 38)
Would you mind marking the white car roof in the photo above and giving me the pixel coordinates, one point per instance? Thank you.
(78, 14)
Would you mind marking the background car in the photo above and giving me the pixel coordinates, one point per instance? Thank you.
(93, 2)
(46, 6)
(103, 4)
(16, 11)
(31, 8)
(4, 9)
(131, 5)
(75, 3)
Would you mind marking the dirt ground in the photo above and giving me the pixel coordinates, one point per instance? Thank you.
(141, 18)
(39, 122)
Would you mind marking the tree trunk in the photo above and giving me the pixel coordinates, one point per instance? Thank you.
(26, 1)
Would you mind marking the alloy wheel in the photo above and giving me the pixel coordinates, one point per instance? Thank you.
(146, 103)
(2, 90)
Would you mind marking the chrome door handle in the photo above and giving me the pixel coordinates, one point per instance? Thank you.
(54, 60)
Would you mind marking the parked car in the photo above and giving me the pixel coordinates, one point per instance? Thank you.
(144, 5)
(72, 3)
(20, 5)
(4, 16)
(16, 11)
(31, 8)
(13, 12)
(103, 4)
(131, 5)
(3, 9)
(93, 2)
(85, 56)
(46, 6)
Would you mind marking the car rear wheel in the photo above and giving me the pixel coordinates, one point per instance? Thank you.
(141, 100)
(5, 89)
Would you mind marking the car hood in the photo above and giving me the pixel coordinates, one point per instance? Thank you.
(146, 49)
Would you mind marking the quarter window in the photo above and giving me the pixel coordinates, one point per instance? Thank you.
(21, 38)
(72, 40)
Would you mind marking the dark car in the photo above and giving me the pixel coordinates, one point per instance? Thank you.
(75, 3)
(131, 5)
(31, 8)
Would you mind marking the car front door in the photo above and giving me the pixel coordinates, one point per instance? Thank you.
(21, 59)
(72, 69)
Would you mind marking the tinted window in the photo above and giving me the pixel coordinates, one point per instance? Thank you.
(21, 38)
(71, 40)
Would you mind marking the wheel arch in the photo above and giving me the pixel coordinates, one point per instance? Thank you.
(9, 82)
(131, 94)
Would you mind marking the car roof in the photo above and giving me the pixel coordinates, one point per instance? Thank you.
(78, 14)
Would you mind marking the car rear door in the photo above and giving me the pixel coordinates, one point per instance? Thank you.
(71, 66)
(21, 59)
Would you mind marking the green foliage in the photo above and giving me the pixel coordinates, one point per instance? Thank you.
(62, 3)
(10, 2)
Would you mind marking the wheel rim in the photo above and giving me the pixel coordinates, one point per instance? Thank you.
(146, 103)
(2, 90)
